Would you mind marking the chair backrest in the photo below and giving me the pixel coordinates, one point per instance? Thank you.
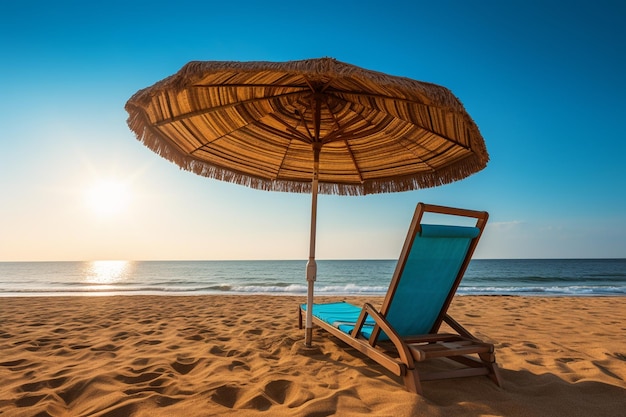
(430, 268)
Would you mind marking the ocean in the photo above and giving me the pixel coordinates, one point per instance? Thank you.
(537, 277)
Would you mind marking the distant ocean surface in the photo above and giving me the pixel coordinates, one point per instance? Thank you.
(538, 277)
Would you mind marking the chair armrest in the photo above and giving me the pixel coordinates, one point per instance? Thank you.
(394, 337)
(457, 327)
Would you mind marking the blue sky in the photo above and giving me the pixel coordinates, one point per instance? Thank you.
(544, 81)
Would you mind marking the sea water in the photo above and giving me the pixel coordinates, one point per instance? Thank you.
(545, 277)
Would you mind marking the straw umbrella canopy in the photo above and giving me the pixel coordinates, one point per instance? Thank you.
(317, 125)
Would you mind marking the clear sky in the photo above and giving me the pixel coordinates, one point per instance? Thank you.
(545, 80)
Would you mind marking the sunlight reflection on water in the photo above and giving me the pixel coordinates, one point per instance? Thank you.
(107, 272)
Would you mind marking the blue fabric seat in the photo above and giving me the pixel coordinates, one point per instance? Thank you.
(430, 272)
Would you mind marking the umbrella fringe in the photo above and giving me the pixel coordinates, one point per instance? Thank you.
(138, 123)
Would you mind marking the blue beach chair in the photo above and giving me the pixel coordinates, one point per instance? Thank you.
(405, 330)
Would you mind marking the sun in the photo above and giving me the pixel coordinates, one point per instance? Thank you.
(108, 197)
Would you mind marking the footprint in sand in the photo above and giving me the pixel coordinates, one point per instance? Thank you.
(147, 342)
(132, 380)
(20, 365)
(40, 385)
(73, 392)
(195, 337)
(122, 410)
(106, 348)
(218, 351)
(259, 403)
(226, 395)
(120, 336)
(78, 347)
(141, 361)
(29, 400)
(278, 390)
(184, 367)
(11, 364)
(238, 364)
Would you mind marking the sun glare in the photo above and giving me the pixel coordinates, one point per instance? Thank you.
(108, 197)
(107, 272)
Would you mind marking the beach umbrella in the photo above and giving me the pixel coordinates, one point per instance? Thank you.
(314, 126)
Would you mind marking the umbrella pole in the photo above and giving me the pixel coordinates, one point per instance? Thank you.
(311, 266)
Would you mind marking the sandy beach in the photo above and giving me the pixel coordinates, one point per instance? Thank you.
(241, 355)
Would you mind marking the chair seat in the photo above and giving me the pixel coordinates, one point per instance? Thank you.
(343, 316)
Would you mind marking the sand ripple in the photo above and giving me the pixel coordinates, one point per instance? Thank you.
(242, 355)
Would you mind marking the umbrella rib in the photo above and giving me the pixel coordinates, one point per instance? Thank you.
(224, 135)
(338, 131)
(217, 108)
(456, 142)
(336, 134)
(274, 131)
(304, 124)
(282, 161)
(326, 89)
(372, 129)
(402, 142)
(446, 138)
(292, 129)
(309, 84)
(356, 165)
(410, 151)
(338, 127)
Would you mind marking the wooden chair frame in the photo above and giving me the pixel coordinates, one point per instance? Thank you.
(400, 353)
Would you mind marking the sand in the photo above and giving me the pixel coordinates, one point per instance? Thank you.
(241, 355)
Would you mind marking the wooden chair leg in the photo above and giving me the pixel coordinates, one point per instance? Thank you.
(494, 374)
(412, 381)
(299, 318)
(489, 361)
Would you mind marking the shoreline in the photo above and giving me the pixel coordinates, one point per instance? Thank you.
(573, 277)
(267, 294)
(231, 354)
